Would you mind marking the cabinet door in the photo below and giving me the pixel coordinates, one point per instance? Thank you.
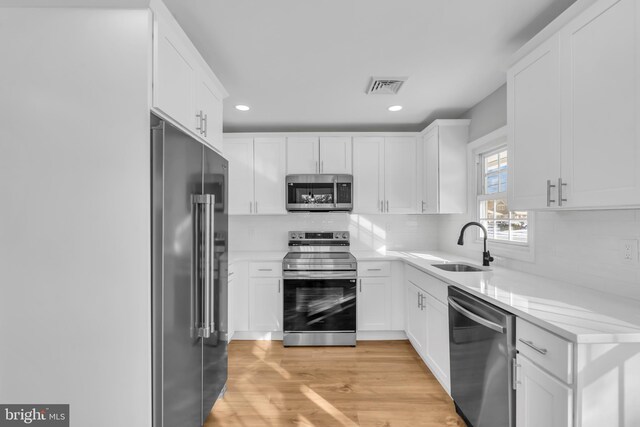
(302, 155)
(335, 154)
(601, 112)
(269, 180)
(400, 174)
(265, 304)
(368, 174)
(541, 400)
(209, 104)
(430, 172)
(374, 304)
(416, 318)
(533, 98)
(437, 352)
(173, 76)
(239, 153)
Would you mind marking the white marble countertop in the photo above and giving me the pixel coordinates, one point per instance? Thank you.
(576, 313)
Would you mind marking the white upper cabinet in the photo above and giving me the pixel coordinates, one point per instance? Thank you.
(335, 154)
(601, 110)
(185, 90)
(269, 179)
(384, 174)
(239, 153)
(400, 174)
(574, 114)
(368, 174)
(256, 175)
(533, 98)
(173, 74)
(208, 112)
(303, 155)
(442, 169)
(330, 154)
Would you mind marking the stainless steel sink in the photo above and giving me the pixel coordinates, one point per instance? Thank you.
(459, 267)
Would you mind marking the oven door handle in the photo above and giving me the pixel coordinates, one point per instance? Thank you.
(478, 319)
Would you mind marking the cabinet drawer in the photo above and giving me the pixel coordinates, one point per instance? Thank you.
(374, 268)
(265, 269)
(437, 288)
(547, 350)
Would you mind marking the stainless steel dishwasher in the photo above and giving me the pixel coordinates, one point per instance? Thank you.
(482, 352)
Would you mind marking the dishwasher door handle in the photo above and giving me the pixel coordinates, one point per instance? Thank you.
(478, 319)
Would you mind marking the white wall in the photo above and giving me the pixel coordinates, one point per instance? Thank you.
(581, 247)
(75, 316)
(368, 232)
(488, 115)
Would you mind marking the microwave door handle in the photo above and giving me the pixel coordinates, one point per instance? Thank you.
(335, 192)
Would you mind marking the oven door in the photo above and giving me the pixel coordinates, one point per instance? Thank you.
(319, 305)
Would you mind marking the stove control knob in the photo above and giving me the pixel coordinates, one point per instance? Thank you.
(345, 236)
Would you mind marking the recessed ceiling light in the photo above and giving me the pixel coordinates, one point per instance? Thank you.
(242, 107)
(395, 108)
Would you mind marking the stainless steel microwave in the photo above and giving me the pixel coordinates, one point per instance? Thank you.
(319, 192)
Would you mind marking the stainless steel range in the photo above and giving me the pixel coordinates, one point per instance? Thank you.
(319, 289)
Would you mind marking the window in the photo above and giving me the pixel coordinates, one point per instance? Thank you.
(502, 224)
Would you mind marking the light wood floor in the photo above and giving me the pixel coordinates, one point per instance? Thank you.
(377, 383)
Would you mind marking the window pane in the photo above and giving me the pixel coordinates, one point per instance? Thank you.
(491, 163)
(519, 215)
(519, 231)
(503, 160)
(502, 212)
(502, 230)
(503, 181)
(492, 184)
(490, 226)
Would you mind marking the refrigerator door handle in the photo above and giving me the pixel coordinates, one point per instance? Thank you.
(203, 265)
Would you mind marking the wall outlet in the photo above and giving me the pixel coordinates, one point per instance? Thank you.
(630, 251)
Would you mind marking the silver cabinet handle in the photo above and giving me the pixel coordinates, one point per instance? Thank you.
(387, 206)
(265, 269)
(374, 269)
(514, 373)
(206, 125)
(469, 315)
(560, 185)
(549, 187)
(419, 299)
(278, 285)
(321, 166)
(200, 124)
(423, 206)
(540, 350)
(360, 285)
(381, 206)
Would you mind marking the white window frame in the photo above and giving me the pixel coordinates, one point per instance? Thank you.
(476, 149)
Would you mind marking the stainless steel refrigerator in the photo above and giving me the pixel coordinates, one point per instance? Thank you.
(189, 276)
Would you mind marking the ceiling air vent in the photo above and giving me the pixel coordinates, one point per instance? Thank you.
(385, 85)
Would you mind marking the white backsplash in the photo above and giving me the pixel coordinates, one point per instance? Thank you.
(368, 232)
(580, 247)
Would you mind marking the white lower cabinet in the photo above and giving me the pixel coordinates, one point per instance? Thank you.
(265, 304)
(374, 297)
(541, 399)
(374, 308)
(437, 353)
(416, 318)
(427, 322)
(265, 296)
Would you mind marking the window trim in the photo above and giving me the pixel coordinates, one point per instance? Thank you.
(494, 141)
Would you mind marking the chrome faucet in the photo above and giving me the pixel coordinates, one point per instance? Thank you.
(486, 256)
